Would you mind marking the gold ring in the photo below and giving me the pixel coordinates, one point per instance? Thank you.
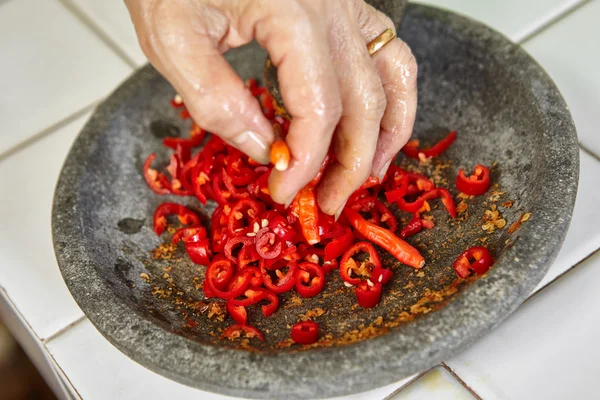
(376, 44)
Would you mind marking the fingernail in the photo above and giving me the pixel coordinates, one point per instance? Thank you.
(384, 169)
(251, 144)
(339, 211)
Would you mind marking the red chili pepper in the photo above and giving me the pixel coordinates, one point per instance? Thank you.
(185, 216)
(243, 216)
(367, 295)
(199, 252)
(232, 246)
(411, 149)
(305, 332)
(220, 273)
(234, 191)
(157, 181)
(238, 313)
(397, 247)
(477, 259)
(305, 204)
(221, 193)
(416, 205)
(256, 279)
(254, 295)
(413, 227)
(219, 233)
(288, 254)
(251, 296)
(285, 281)
(247, 256)
(237, 285)
(236, 331)
(338, 246)
(348, 265)
(268, 245)
(279, 225)
(476, 184)
(183, 233)
(196, 138)
(310, 279)
(381, 275)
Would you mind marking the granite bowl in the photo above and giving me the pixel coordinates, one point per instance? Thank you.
(508, 114)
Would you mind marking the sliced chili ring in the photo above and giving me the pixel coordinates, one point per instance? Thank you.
(236, 331)
(478, 259)
(199, 251)
(305, 332)
(232, 244)
(185, 216)
(368, 294)
(338, 246)
(476, 184)
(238, 313)
(285, 281)
(310, 279)
(198, 231)
(268, 245)
(243, 215)
(348, 264)
(154, 179)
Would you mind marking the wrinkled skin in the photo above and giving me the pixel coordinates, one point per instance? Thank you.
(335, 92)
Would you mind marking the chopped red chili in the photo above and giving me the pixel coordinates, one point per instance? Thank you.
(411, 149)
(477, 259)
(185, 216)
(310, 279)
(476, 184)
(362, 269)
(305, 332)
(236, 331)
(368, 294)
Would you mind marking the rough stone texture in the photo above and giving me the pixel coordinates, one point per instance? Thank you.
(472, 79)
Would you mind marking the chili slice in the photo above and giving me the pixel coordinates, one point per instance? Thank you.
(310, 279)
(236, 331)
(185, 216)
(477, 259)
(305, 332)
(476, 184)
(411, 149)
(368, 295)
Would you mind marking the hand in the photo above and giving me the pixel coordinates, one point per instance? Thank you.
(327, 80)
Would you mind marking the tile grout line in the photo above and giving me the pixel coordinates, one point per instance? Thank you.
(45, 132)
(64, 374)
(100, 33)
(459, 379)
(561, 275)
(546, 25)
(589, 152)
(407, 384)
(63, 330)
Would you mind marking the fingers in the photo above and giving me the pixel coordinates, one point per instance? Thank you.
(363, 102)
(298, 45)
(182, 40)
(397, 69)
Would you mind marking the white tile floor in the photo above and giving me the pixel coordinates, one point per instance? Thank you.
(545, 350)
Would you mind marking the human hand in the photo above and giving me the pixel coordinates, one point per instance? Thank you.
(327, 80)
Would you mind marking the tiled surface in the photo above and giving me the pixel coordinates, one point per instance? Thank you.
(74, 349)
(49, 72)
(436, 384)
(28, 269)
(569, 52)
(28, 341)
(514, 18)
(583, 237)
(547, 350)
(112, 17)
